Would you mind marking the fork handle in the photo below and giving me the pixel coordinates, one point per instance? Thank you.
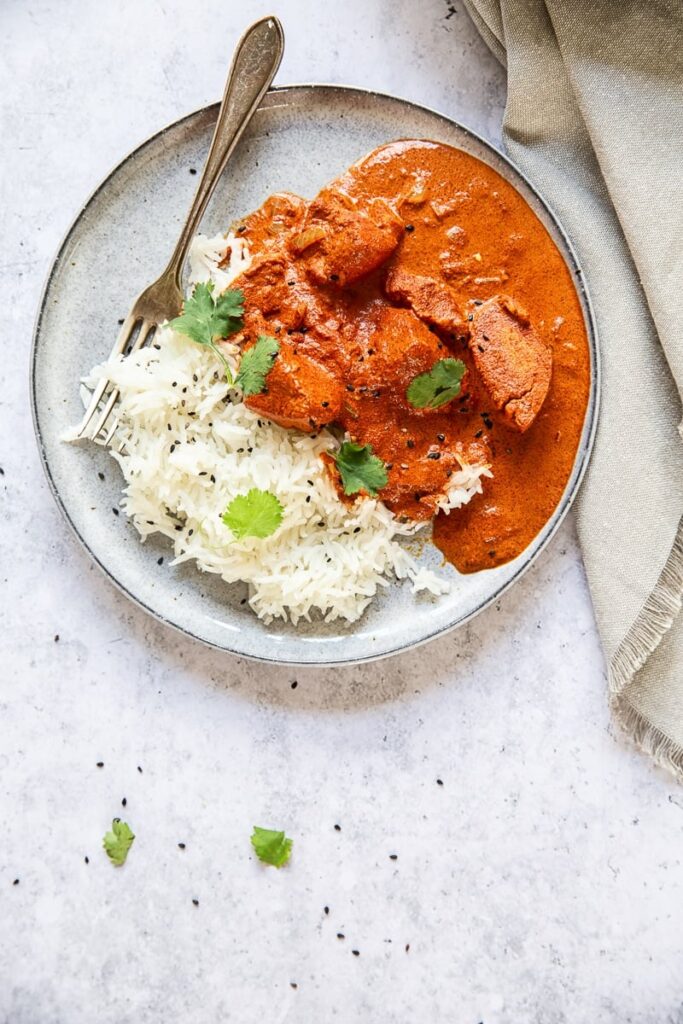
(253, 68)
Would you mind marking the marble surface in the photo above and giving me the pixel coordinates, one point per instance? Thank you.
(538, 858)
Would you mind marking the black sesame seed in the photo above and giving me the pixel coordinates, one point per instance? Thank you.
(479, 433)
(441, 437)
(350, 387)
(212, 478)
(172, 448)
(470, 317)
(87, 860)
(418, 497)
(140, 769)
(337, 828)
(492, 554)
(326, 909)
(409, 228)
(174, 384)
(478, 302)
(56, 638)
(340, 935)
(181, 846)
(100, 764)
(434, 455)
(393, 856)
(410, 444)
(439, 782)
(160, 560)
(334, 277)
(294, 684)
(324, 404)
(377, 392)
(15, 882)
(115, 511)
(488, 423)
(193, 171)
(195, 378)
(481, 348)
(124, 802)
(388, 465)
(356, 952)
(101, 476)
(196, 902)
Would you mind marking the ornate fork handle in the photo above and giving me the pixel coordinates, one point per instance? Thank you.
(254, 66)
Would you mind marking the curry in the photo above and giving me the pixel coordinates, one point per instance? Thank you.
(421, 253)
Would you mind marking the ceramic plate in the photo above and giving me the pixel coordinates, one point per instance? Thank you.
(301, 137)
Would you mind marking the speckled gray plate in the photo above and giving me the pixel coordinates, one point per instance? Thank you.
(300, 138)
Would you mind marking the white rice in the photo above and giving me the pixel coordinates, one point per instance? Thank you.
(189, 446)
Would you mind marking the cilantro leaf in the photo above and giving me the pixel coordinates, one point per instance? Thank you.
(436, 387)
(255, 365)
(271, 847)
(204, 319)
(254, 514)
(118, 842)
(359, 469)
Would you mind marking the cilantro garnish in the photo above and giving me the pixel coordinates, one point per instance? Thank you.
(271, 847)
(205, 319)
(118, 842)
(359, 469)
(255, 365)
(436, 387)
(254, 514)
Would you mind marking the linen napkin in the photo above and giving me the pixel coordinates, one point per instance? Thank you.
(594, 117)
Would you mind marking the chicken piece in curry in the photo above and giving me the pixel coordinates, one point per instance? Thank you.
(420, 253)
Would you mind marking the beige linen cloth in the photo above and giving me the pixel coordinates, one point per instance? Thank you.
(594, 117)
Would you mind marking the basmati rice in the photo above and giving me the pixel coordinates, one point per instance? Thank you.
(188, 446)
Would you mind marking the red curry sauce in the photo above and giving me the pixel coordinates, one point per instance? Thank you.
(327, 278)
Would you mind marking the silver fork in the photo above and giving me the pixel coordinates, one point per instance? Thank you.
(253, 68)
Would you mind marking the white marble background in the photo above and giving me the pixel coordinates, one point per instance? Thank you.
(541, 882)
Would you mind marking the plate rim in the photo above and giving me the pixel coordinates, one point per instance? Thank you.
(586, 442)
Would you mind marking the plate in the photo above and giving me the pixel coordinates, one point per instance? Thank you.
(300, 138)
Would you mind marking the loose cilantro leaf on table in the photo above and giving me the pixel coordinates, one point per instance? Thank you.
(359, 469)
(436, 387)
(271, 847)
(118, 842)
(205, 319)
(255, 365)
(254, 514)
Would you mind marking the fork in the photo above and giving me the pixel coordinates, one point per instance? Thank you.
(253, 68)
